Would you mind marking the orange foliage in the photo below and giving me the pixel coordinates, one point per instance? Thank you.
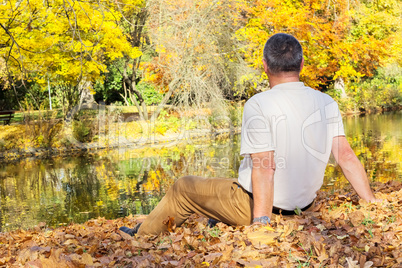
(331, 48)
(156, 74)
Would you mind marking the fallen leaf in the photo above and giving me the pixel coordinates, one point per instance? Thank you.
(212, 257)
(87, 259)
(262, 237)
(115, 237)
(356, 217)
(170, 224)
(324, 240)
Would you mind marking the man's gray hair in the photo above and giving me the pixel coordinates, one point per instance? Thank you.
(283, 53)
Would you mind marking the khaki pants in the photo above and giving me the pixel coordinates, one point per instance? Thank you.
(217, 198)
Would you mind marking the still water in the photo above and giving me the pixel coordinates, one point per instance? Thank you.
(116, 183)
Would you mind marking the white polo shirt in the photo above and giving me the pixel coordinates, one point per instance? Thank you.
(298, 123)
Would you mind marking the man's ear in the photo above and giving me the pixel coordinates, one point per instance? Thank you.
(266, 69)
(302, 64)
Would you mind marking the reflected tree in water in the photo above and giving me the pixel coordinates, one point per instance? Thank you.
(116, 183)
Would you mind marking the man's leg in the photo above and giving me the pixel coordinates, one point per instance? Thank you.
(217, 198)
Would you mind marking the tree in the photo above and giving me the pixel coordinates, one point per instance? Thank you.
(134, 15)
(379, 23)
(328, 34)
(64, 41)
(197, 59)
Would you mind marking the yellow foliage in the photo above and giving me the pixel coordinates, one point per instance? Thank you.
(153, 182)
(339, 39)
(62, 40)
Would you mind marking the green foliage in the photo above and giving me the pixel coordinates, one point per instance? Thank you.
(81, 131)
(298, 211)
(214, 232)
(391, 219)
(383, 91)
(306, 261)
(85, 125)
(166, 122)
(149, 93)
(109, 89)
(368, 221)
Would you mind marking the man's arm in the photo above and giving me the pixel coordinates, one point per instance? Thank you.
(352, 168)
(262, 178)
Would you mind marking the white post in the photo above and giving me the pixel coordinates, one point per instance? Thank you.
(50, 99)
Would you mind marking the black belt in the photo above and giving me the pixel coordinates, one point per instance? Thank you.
(279, 211)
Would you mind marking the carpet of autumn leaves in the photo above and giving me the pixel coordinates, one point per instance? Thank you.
(341, 231)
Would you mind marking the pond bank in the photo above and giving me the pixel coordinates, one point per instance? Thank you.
(341, 231)
(352, 112)
(120, 142)
(123, 141)
(38, 140)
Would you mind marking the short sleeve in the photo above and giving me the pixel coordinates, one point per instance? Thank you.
(334, 119)
(256, 133)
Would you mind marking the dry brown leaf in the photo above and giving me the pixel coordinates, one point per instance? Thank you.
(125, 236)
(87, 259)
(35, 264)
(115, 237)
(28, 254)
(50, 262)
(71, 242)
(356, 217)
(69, 236)
(170, 224)
(262, 237)
(145, 245)
(354, 264)
(4, 260)
(75, 258)
(173, 263)
(213, 257)
(250, 254)
(192, 245)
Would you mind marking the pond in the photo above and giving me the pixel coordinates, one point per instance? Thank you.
(120, 182)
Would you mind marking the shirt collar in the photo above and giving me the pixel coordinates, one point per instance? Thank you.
(289, 85)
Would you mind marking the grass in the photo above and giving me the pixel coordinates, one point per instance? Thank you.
(368, 221)
(20, 116)
(309, 255)
(214, 232)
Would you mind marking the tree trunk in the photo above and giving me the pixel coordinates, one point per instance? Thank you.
(86, 97)
(134, 100)
(161, 105)
(340, 85)
(129, 85)
(144, 110)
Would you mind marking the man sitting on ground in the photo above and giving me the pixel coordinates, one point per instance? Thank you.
(288, 133)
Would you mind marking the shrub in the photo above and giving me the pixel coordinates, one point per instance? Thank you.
(166, 122)
(82, 130)
(235, 114)
(42, 127)
(383, 91)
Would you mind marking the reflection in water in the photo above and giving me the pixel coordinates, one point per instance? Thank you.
(120, 182)
(109, 184)
(377, 141)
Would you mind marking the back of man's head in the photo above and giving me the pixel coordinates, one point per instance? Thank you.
(283, 53)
